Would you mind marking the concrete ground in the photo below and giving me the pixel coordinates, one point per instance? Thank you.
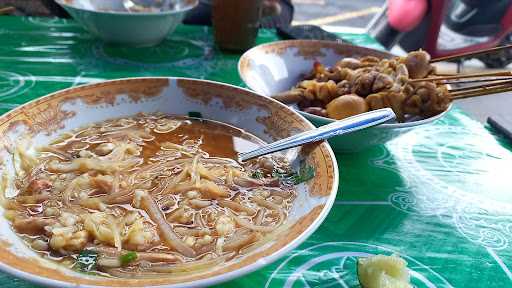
(359, 13)
(336, 12)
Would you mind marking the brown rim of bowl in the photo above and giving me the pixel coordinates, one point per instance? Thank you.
(307, 43)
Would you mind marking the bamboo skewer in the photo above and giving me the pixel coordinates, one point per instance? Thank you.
(7, 10)
(462, 76)
(471, 54)
(493, 79)
(483, 86)
(489, 90)
(481, 92)
(492, 82)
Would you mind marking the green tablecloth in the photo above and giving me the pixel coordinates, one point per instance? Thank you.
(440, 196)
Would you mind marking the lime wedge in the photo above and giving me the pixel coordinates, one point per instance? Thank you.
(383, 271)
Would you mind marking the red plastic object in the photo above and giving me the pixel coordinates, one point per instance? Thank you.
(506, 21)
(405, 15)
(438, 10)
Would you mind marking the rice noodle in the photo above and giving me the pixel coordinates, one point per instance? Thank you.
(72, 187)
(109, 262)
(92, 203)
(58, 152)
(175, 214)
(244, 223)
(267, 204)
(141, 256)
(117, 235)
(187, 267)
(172, 146)
(122, 273)
(115, 183)
(157, 166)
(136, 135)
(198, 204)
(280, 193)
(33, 199)
(32, 225)
(88, 164)
(229, 178)
(221, 161)
(240, 241)
(198, 220)
(192, 231)
(175, 181)
(219, 245)
(208, 248)
(265, 239)
(195, 177)
(150, 206)
(237, 207)
(24, 161)
(123, 197)
(4, 185)
(181, 188)
(247, 182)
(212, 189)
(146, 273)
(205, 174)
(258, 219)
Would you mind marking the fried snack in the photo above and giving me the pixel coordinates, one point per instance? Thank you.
(383, 82)
(387, 99)
(322, 74)
(426, 100)
(350, 63)
(418, 64)
(319, 111)
(291, 96)
(346, 106)
(363, 83)
(322, 91)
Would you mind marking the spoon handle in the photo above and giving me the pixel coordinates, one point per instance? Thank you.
(348, 125)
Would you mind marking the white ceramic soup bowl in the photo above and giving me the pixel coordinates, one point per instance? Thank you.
(278, 66)
(47, 117)
(111, 22)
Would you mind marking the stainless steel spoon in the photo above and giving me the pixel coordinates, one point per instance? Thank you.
(348, 125)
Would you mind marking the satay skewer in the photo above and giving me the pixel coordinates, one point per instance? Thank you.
(480, 92)
(7, 10)
(503, 83)
(471, 54)
(462, 76)
(471, 81)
